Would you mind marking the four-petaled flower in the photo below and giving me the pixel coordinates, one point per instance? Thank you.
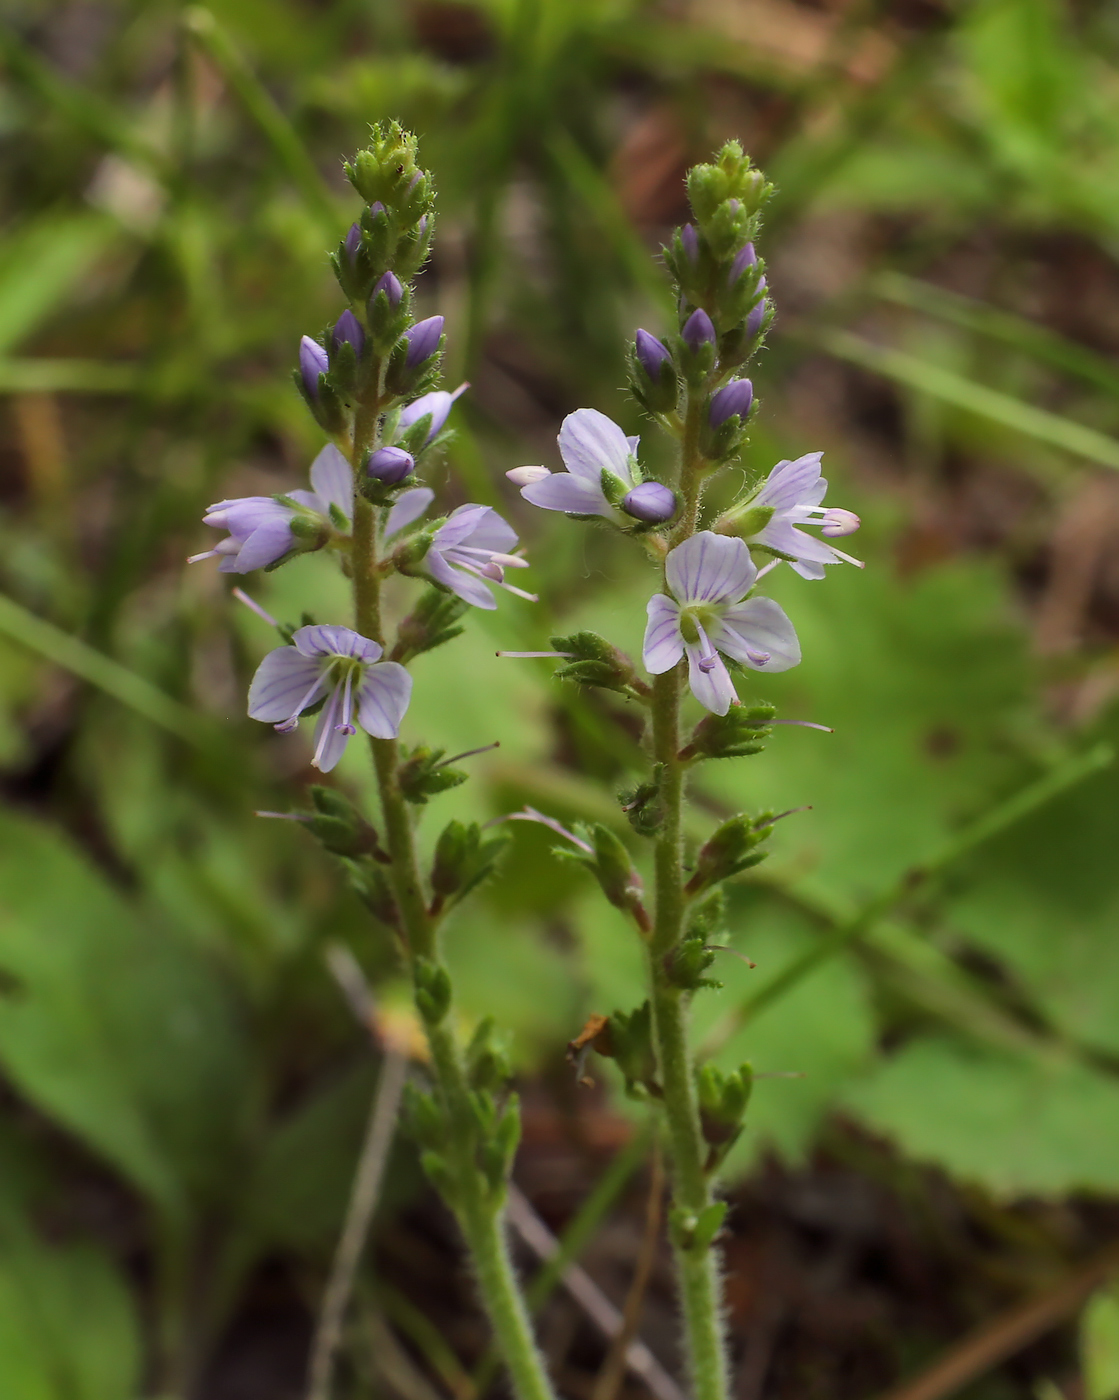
(342, 668)
(472, 545)
(791, 496)
(708, 612)
(261, 528)
(591, 446)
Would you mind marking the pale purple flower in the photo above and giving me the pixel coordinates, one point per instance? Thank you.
(652, 354)
(698, 330)
(312, 363)
(757, 316)
(651, 502)
(423, 340)
(470, 548)
(348, 328)
(345, 669)
(437, 403)
(390, 284)
(732, 399)
(259, 527)
(690, 239)
(707, 612)
(390, 464)
(793, 491)
(589, 443)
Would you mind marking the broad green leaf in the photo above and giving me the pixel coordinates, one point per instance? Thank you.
(1043, 899)
(113, 1025)
(1099, 1345)
(1013, 1125)
(68, 1327)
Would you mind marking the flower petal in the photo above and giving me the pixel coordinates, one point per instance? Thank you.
(324, 640)
(459, 526)
(265, 545)
(281, 685)
(468, 587)
(332, 478)
(589, 441)
(382, 699)
(663, 645)
(713, 687)
(780, 534)
(408, 507)
(792, 483)
(575, 495)
(242, 516)
(800, 566)
(710, 568)
(758, 625)
(491, 532)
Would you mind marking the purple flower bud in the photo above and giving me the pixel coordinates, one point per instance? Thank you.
(690, 239)
(375, 209)
(390, 465)
(733, 399)
(423, 340)
(744, 258)
(757, 316)
(390, 285)
(698, 330)
(421, 227)
(650, 502)
(312, 363)
(651, 354)
(348, 327)
(353, 242)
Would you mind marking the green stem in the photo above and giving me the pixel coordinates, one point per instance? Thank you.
(697, 1268)
(481, 1220)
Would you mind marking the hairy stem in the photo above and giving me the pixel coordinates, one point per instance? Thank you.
(481, 1220)
(697, 1268)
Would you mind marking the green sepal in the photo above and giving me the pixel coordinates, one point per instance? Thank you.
(439, 1173)
(432, 989)
(430, 623)
(592, 660)
(340, 827)
(609, 862)
(422, 775)
(487, 1057)
(372, 887)
(723, 1100)
(685, 964)
(500, 1147)
(627, 1038)
(642, 804)
(613, 487)
(464, 857)
(656, 396)
(742, 731)
(423, 1118)
(696, 1233)
(730, 850)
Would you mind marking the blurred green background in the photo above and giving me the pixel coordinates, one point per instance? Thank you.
(181, 1086)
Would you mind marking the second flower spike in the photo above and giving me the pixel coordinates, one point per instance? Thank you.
(708, 616)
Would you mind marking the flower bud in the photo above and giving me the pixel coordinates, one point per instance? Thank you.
(698, 330)
(390, 465)
(423, 340)
(690, 239)
(527, 476)
(744, 258)
(650, 502)
(390, 285)
(732, 400)
(353, 242)
(348, 328)
(312, 363)
(757, 316)
(839, 522)
(652, 354)
(376, 208)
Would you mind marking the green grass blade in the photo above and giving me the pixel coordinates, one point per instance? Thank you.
(963, 393)
(81, 660)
